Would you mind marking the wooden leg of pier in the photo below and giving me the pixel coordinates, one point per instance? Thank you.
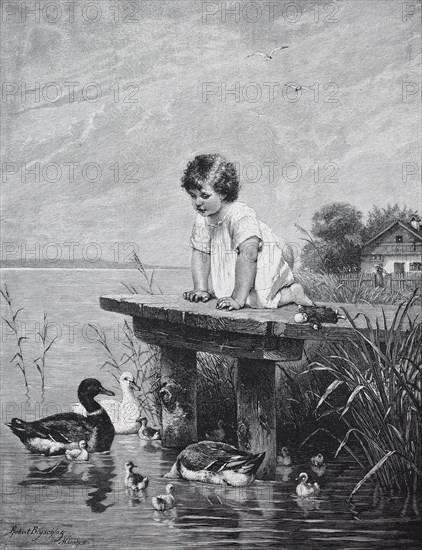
(256, 419)
(178, 397)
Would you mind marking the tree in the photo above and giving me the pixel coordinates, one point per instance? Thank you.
(380, 218)
(336, 238)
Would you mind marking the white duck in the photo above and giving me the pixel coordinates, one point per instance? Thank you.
(78, 454)
(165, 502)
(124, 414)
(305, 489)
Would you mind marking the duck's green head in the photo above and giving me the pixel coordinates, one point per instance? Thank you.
(91, 387)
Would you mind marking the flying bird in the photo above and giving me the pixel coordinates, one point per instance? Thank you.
(269, 56)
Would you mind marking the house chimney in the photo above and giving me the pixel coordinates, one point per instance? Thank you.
(415, 223)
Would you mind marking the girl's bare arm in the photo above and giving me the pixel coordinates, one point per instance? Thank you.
(200, 267)
(244, 275)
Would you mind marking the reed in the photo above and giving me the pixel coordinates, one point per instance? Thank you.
(46, 347)
(380, 372)
(18, 359)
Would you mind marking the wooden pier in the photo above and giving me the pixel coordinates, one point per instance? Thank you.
(257, 338)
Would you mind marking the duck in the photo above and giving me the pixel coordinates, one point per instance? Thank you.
(284, 459)
(162, 503)
(305, 489)
(123, 413)
(218, 434)
(318, 465)
(216, 462)
(58, 433)
(134, 481)
(78, 454)
(147, 433)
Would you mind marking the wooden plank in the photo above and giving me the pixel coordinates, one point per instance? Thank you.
(265, 322)
(178, 396)
(256, 420)
(162, 333)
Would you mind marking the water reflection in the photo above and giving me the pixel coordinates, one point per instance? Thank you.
(94, 478)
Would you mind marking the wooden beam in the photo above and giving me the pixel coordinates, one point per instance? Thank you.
(178, 397)
(256, 418)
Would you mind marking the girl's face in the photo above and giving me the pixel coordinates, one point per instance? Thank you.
(206, 201)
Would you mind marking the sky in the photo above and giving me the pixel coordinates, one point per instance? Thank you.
(122, 100)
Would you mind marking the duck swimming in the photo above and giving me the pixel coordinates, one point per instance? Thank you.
(284, 459)
(134, 481)
(78, 454)
(145, 432)
(218, 434)
(318, 465)
(55, 434)
(165, 502)
(218, 463)
(122, 413)
(305, 489)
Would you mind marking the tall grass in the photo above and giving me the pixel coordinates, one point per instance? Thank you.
(327, 287)
(381, 375)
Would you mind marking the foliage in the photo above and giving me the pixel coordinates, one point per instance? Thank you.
(336, 238)
(381, 372)
(380, 218)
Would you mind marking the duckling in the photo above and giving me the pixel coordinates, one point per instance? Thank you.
(165, 502)
(218, 434)
(305, 489)
(145, 432)
(78, 454)
(218, 463)
(122, 413)
(136, 482)
(55, 434)
(284, 459)
(318, 465)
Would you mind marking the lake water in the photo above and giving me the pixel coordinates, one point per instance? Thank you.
(49, 503)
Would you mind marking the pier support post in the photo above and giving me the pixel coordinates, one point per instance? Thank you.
(256, 418)
(178, 396)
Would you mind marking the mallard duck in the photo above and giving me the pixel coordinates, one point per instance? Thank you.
(218, 463)
(145, 432)
(305, 489)
(60, 432)
(78, 454)
(122, 413)
(133, 481)
(218, 434)
(318, 465)
(165, 502)
(284, 459)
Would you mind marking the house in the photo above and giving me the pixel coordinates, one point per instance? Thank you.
(398, 248)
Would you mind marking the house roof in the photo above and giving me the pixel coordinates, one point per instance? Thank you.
(404, 225)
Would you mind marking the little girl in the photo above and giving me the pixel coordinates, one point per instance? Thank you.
(243, 256)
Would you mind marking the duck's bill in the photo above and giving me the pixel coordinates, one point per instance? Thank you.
(134, 386)
(106, 392)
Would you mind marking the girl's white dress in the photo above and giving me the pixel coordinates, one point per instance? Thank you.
(222, 240)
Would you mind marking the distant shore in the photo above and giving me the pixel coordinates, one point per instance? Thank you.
(85, 266)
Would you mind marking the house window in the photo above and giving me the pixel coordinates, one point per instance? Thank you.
(399, 238)
(415, 266)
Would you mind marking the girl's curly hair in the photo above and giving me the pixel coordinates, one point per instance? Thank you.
(214, 170)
